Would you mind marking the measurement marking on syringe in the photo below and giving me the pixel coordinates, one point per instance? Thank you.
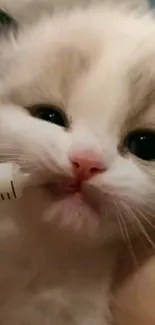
(8, 195)
(2, 197)
(13, 190)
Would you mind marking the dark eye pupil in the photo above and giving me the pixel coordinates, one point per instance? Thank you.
(52, 115)
(142, 144)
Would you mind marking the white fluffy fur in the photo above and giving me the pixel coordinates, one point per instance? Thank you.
(28, 10)
(57, 256)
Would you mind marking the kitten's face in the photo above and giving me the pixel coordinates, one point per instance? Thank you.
(78, 104)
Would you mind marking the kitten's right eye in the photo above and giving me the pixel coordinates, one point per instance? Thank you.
(50, 114)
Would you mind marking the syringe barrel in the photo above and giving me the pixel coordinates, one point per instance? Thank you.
(11, 181)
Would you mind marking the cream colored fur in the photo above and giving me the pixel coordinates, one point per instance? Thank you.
(28, 10)
(58, 256)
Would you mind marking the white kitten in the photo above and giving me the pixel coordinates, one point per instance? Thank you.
(77, 101)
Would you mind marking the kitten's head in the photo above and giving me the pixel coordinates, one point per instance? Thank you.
(78, 113)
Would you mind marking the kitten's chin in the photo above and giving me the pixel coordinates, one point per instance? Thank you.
(75, 212)
(80, 211)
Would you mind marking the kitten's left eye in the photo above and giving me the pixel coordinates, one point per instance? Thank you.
(141, 144)
(50, 114)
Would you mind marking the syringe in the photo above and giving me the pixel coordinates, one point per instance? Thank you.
(12, 181)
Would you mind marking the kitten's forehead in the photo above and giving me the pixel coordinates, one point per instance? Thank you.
(91, 63)
(118, 93)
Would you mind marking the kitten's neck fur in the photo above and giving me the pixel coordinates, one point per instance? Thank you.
(73, 280)
(51, 248)
(62, 255)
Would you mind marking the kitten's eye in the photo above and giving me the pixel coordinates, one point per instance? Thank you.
(141, 144)
(50, 114)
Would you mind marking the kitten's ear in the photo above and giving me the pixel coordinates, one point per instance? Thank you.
(7, 24)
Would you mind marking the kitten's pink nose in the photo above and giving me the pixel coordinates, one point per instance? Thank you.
(86, 164)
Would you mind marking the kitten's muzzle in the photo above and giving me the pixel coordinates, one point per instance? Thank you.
(86, 164)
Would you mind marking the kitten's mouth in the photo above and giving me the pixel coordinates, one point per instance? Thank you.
(77, 192)
(78, 206)
(61, 190)
(61, 187)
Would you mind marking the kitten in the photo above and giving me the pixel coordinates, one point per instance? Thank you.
(77, 113)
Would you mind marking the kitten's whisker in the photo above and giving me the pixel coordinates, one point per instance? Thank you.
(148, 212)
(129, 241)
(124, 232)
(14, 155)
(141, 227)
(133, 225)
(119, 220)
(145, 218)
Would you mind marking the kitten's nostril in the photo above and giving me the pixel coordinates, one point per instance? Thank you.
(94, 170)
(86, 164)
(75, 164)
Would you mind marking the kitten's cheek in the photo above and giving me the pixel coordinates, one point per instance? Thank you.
(52, 158)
